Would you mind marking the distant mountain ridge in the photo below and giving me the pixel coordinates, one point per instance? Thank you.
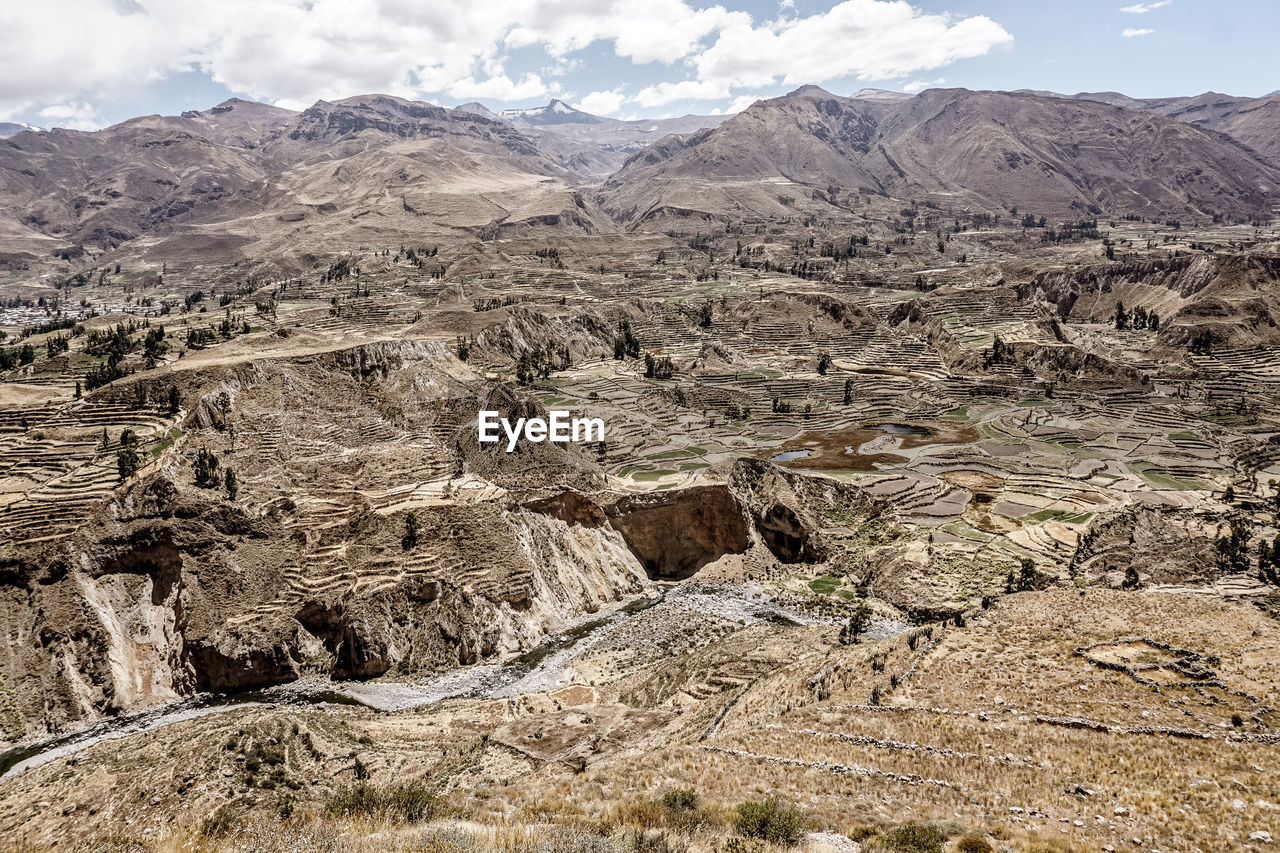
(985, 150)
(556, 112)
(10, 128)
(245, 178)
(589, 146)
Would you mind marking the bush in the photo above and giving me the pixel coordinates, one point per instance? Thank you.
(681, 799)
(771, 821)
(915, 838)
(973, 843)
(409, 802)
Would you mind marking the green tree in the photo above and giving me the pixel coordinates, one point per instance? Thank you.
(824, 362)
(232, 486)
(206, 469)
(857, 625)
(410, 538)
(704, 315)
(127, 462)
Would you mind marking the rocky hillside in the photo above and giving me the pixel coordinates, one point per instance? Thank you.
(370, 168)
(1252, 121)
(986, 150)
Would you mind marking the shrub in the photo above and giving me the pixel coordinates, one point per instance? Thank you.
(915, 838)
(771, 821)
(973, 843)
(681, 799)
(408, 802)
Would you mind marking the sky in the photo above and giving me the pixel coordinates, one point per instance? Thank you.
(85, 64)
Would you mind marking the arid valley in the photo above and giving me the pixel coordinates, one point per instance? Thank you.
(938, 505)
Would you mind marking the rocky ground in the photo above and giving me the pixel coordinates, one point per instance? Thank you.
(913, 538)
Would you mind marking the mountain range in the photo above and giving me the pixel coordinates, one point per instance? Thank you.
(244, 179)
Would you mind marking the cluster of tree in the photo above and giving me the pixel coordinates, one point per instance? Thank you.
(839, 252)
(1025, 580)
(104, 374)
(540, 361)
(415, 256)
(493, 303)
(154, 346)
(338, 270)
(58, 325)
(704, 315)
(658, 368)
(200, 338)
(859, 621)
(463, 348)
(1085, 229)
(193, 298)
(128, 460)
(1269, 561)
(1233, 546)
(625, 343)
(206, 469)
(227, 328)
(117, 340)
(1000, 353)
(985, 220)
(824, 362)
(1202, 343)
(57, 344)
(1030, 221)
(734, 412)
(1139, 318)
(780, 406)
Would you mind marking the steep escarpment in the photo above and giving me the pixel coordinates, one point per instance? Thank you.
(167, 592)
(676, 533)
(1229, 297)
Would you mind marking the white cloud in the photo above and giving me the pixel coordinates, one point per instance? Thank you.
(867, 39)
(602, 103)
(75, 115)
(1144, 8)
(655, 31)
(741, 102)
(294, 52)
(501, 88)
(1134, 32)
(920, 85)
(684, 90)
